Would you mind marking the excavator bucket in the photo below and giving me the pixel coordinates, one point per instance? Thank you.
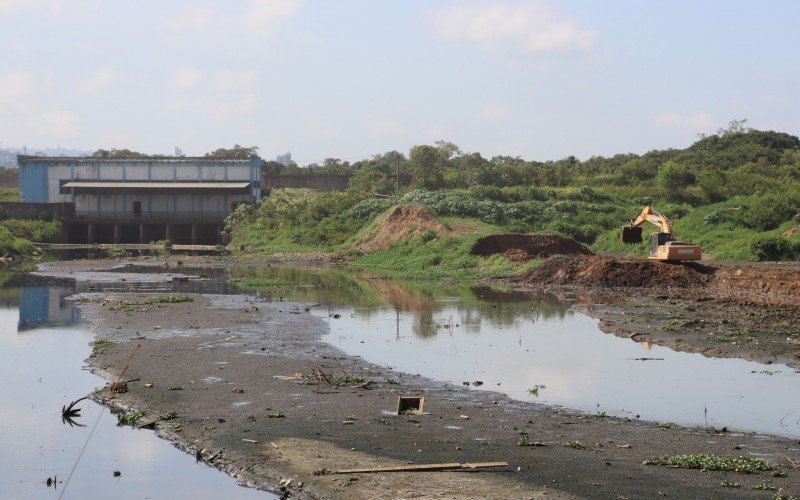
(631, 235)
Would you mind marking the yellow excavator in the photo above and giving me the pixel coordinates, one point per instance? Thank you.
(663, 245)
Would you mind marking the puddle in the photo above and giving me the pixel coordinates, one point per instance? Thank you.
(513, 342)
(42, 348)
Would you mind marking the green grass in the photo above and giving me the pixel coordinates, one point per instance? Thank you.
(101, 345)
(742, 465)
(9, 194)
(37, 230)
(129, 418)
(11, 245)
(168, 299)
(303, 221)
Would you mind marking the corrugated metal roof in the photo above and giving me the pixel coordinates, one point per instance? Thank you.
(148, 159)
(156, 185)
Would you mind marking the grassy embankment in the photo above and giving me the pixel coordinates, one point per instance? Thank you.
(16, 235)
(332, 223)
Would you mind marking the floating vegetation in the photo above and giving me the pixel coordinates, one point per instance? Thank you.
(742, 465)
(129, 418)
(168, 299)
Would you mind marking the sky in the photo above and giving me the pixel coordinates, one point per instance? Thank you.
(349, 79)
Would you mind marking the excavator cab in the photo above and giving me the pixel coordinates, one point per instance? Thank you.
(657, 240)
(632, 235)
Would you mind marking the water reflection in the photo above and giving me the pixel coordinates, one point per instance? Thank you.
(42, 346)
(513, 341)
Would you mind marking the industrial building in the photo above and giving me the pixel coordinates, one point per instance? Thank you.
(139, 200)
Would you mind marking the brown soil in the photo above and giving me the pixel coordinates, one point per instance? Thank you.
(524, 247)
(600, 271)
(791, 232)
(719, 310)
(236, 376)
(403, 221)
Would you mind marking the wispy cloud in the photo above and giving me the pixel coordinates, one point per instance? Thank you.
(532, 26)
(58, 125)
(219, 108)
(262, 13)
(14, 87)
(227, 80)
(494, 111)
(186, 77)
(99, 80)
(382, 128)
(691, 122)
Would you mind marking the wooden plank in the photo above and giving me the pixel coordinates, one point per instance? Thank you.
(423, 467)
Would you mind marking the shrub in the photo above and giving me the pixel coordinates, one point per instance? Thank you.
(775, 248)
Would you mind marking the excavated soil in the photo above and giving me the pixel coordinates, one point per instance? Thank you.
(742, 311)
(403, 221)
(600, 271)
(524, 247)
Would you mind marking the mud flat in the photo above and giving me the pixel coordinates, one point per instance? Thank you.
(744, 311)
(259, 394)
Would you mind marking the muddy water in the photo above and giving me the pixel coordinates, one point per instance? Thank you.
(42, 346)
(513, 342)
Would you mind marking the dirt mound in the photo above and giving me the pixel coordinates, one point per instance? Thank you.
(403, 221)
(523, 247)
(599, 271)
(791, 232)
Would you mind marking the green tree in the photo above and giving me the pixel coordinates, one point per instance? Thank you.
(118, 153)
(427, 166)
(237, 152)
(673, 177)
(368, 181)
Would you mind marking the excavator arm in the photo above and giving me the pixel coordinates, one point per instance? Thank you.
(633, 232)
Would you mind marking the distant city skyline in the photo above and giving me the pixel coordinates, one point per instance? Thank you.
(533, 78)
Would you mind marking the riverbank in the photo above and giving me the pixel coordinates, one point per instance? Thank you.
(212, 349)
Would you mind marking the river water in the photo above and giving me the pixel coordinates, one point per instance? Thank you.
(42, 348)
(510, 342)
(533, 347)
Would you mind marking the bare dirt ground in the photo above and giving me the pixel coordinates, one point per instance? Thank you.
(747, 311)
(237, 371)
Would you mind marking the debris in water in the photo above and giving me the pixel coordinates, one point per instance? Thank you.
(423, 467)
(69, 413)
(117, 473)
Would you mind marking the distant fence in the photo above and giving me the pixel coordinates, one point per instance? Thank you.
(9, 179)
(23, 210)
(321, 182)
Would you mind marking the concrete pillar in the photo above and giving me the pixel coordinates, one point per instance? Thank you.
(142, 235)
(90, 229)
(194, 234)
(117, 230)
(168, 233)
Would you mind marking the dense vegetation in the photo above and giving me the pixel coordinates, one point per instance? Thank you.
(733, 192)
(11, 245)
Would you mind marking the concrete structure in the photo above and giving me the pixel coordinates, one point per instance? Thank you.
(138, 200)
(322, 182)
(284, 159)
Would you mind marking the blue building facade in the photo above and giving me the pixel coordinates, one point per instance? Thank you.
(169, 198)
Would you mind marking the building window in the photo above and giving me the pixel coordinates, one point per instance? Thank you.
(137, 208)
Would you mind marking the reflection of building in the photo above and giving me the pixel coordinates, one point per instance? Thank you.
(138, 200)
(42, 306)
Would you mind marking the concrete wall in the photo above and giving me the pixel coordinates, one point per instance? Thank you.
(22, 210)
(41, 179)
(323, 182)
(9, 178)
(193, 205)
